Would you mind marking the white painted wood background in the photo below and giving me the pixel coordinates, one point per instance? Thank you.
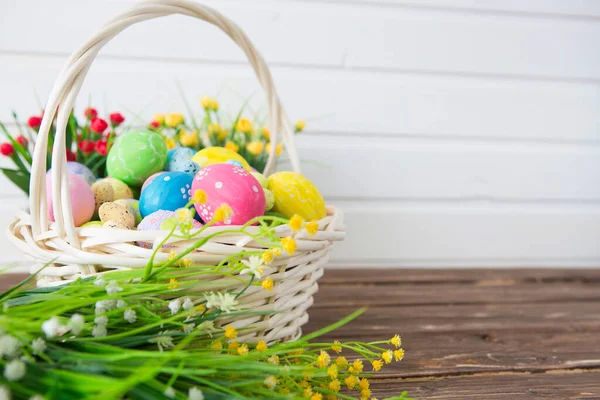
(451, 132)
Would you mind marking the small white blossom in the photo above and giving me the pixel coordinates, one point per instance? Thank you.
(38, 345)
(9, 346)
(188, 328)
(4, 393)
(195, 394)
(207, 326)
(174, 306)
(212, 300)
(101, 320)
(121, 304)
(100, 282)
(188, 304)
(113, 288)
(226, 302)
(103, 306)
(130, 316)
(270, 381)
(53, 327)
(76, 324)
(99, 331)
(253, 266)
(14, 370)
(163, 342)
(169, 392)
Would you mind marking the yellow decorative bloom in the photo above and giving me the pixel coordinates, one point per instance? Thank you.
(312, 228)
(323, 359)
(271, 381)
(172, 255)
(332, 371)
(173, 284)
(232, 146)
(160, 118)
(336, 346)
(222, 135)
(200, 196)
(398, 354)
(183, 214)
(396, 340)
(173, 119)
(387, 356)
(296, 223)
(217, 346)
(278, 149)
(267, 257)
(222, 213)
(341, 361)
(276, 252)
(266, 133)
(188, 139)
(300, 125)
(267, 283)
(230, 332)
(209, 103)
(307, 392)
(351, 381)
(274, 359)
(365, 394)
(255, 147)
(377, 364)
(364, 384)
(261, 346)
(233, 346)
(243, 350)
(303, 384)
(335, 386)
(289, 245)
(214, 129)
(187, 262)
(316, 396)
(357, 367)
(243, 125)
(200, 308)
(170, 143)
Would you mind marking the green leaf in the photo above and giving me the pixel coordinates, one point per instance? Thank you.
(19, 178)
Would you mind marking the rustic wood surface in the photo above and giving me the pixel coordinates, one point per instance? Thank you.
(470, 333)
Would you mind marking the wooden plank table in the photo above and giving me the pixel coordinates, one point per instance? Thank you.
(471, 334)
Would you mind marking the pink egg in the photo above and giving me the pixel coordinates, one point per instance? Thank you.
(151, 178)
(82, 199)
(226, 183)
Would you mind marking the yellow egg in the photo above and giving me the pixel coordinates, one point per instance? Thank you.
(218, 155)
(295, 194)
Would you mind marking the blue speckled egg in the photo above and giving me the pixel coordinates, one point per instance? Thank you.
(180, 159)
(234, 162)
(168, 191)
(75, 168)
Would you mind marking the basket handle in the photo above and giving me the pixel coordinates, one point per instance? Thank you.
(68, 85)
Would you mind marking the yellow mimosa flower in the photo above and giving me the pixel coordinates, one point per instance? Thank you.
(278, 148)
(230, 332)
(244, 125)
(289, 245)
(200, 196)
(261, 346)
(173, 119)
(296, 223)
(255, 147)
(160, 118)
(170, 143)
(188, 139)
(232, 146)
(266, 133)
(300, 125)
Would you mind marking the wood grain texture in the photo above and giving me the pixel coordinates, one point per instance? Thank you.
(509, 334)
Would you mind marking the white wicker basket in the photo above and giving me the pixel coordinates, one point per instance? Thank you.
(79, 252)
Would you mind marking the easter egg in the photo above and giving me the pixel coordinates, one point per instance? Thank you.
(82, 199)
(82, 171)
(151, 178)
(168, 191)
(234, 162)
(92, 224)
(264, 182)
(226, 183)
(135, 156)
(156, 221)
(180, 159)
(110, 189)
(269, 199)
(218, 155)
(114, 212)
(295, 194)
(133, 206)
(114, 225)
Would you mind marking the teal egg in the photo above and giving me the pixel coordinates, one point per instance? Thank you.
(135, 156)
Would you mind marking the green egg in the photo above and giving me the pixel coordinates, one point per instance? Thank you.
(135, 156)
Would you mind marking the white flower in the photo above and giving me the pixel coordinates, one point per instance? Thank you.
(211, 300)
(169, 392)
(14, 370)
(121, 304)
(195, 394)
(9, 346)
(103, 306)
(76, 324)
(208, 326)
(270, 381)
(4, 393)
(188, 304)
(188, 328)
(130, 316)
(174, 306)
(53, 327)
(163, 342)
(99, 281)
(99, 331)
(38, 345)
(253, 266)
(226, 302)
(101, 320)
(113, 288)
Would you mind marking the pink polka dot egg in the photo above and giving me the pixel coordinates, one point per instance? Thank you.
(82, 199)
(232, 185)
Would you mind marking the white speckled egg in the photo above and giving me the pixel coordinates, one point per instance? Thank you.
(180, 159)
(114, 212)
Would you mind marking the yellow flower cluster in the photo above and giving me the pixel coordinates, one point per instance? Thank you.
(267, 283)
(243, 125)
(209, 103)
(222, 213)
(289, 245)
(188, 138)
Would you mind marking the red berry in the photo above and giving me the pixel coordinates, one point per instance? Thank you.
(90, 113)
(154, 124)
(34, 122)
(98, 125)
(71, 156)
(116, 119)
(102, 147)
(86, 146)
(22, 140)
(7, 149)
